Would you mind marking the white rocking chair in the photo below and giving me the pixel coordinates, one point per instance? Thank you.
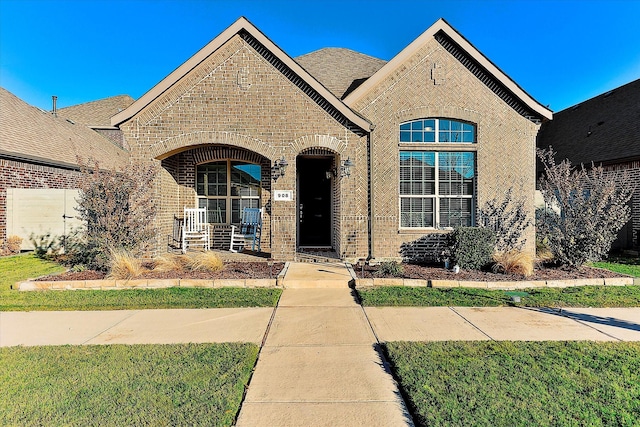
(250, 228)
(195, 229)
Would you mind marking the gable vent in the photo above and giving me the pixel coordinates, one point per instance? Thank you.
(300, 83)
(485, 77)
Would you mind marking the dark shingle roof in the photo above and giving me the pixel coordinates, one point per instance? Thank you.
(97, 113)
(28, 133)
(339, 70)
(603, 129)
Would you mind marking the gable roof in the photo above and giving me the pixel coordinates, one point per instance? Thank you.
(242, 26)
(603, 129)
(30, 134)
(97, 114)
(472, 59)
(340, 70)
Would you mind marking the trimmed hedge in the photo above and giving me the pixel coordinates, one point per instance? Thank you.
(472, 247)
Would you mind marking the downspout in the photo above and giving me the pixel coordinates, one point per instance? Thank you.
(370, 193)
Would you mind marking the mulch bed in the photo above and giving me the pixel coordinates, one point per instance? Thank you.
(232, 270)
(412, 271)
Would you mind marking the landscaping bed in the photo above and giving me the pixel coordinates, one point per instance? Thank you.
(231, 270)
(425, 272)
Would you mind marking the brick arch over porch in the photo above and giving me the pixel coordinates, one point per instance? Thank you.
(169, 147)
(452, 112)
(328, 142)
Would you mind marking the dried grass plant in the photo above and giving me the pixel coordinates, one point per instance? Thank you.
(206, 261)
(513, 262)
(124, 266)
(171, 263)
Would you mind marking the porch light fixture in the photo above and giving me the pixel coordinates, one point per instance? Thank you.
(345, 167)
(279, 168)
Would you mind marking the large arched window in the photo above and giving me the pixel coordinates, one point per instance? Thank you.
(437, 187)
(226, 187)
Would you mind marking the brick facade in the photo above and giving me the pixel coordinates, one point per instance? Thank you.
(15, 174)
(505, 139)
(629, 236)
(237, 100)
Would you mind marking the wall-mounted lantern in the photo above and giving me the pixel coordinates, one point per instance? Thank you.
(345, 167)
(279, 168)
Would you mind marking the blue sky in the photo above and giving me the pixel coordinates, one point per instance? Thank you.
(561, 52)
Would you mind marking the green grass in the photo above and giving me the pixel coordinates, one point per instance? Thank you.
(189, 384)
(136, 299)
(579, 296)
(624, 265)
(520, 383)
(21, 267)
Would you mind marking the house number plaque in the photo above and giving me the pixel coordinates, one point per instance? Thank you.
(283, 195)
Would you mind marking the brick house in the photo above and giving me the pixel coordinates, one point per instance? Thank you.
(39, 167)
(603, 130)
(379, 153)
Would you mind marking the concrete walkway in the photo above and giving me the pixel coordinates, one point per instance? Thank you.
(319, 366)
(319, 363)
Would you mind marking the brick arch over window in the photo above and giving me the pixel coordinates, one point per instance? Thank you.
(331, 143)
(169, 147)
(431, 111)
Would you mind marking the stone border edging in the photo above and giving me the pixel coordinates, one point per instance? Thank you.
(506, 285)
(110, 284)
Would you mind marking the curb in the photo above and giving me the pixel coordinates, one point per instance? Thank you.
(32, 285)
(506, 285)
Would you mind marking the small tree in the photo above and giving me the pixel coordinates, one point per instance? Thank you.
(508, 219)
(117, 209)
(587, 209)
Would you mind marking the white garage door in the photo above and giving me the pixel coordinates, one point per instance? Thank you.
(40, 211)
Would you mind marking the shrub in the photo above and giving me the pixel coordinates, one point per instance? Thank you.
(508, 219)
(124, 266)
(472, 247)
(14, 244)
(391, 268)
(513, 262)
(166, 263)
(589, 207)
(117, 209)
(45, 245)
(205, 261)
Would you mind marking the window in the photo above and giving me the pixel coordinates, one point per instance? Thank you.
(226, 187)
(436, 189)
(437, 131)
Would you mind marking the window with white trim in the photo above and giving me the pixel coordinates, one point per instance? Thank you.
(226, 187)
(437, 131)
(436, 189)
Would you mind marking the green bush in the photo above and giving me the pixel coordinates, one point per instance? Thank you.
(472, 247)
(391, 268)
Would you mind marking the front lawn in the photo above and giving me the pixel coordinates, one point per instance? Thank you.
(188, 384)
(578, 296)
(519, 383)
(624, 265)
(17, 268)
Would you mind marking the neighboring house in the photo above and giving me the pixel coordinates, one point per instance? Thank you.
(604, 130)
(379, 153)
(39, 167)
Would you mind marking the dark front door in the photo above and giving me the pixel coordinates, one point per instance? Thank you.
(314, 201)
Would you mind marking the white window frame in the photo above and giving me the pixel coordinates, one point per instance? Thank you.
(437, 197)
(229, 198)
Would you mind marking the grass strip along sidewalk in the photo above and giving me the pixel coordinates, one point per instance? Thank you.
(188, 384)
(21, 267)
(579, 296)
(519, 383)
